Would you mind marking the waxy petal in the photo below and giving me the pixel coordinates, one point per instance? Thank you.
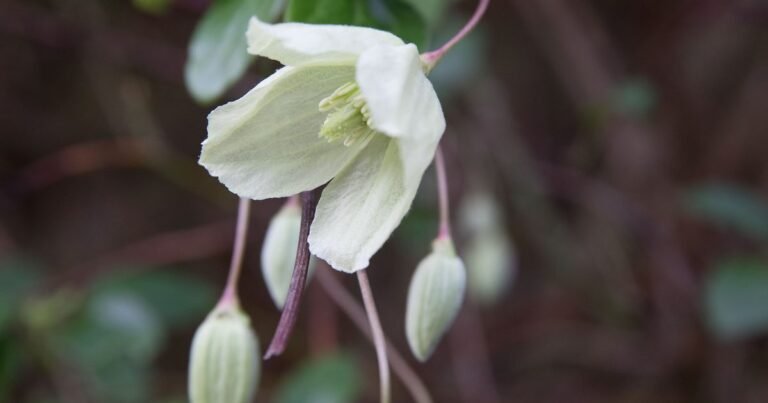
(296, 43)
(266, 144)
(361, 207)
(400, 98)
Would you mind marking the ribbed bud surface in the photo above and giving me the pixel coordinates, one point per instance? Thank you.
(225, 359)
(434, 298)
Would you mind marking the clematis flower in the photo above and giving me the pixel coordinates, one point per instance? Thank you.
(352, 108)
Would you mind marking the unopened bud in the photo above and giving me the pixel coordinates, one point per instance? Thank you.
(489, 251)
(434, 298)
(278, 253)
(224, 362)
(491, 264)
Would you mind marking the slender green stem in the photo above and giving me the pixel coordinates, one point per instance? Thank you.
(235, 267)
(378, 334)
(356, 313)
(444, 230)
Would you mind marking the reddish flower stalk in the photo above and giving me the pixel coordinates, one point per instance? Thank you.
(298, 279)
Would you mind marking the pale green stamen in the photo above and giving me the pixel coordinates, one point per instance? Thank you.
(348, 116)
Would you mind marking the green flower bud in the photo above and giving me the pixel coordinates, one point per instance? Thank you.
(489, 251)
(434, 298)
(490, 266)
(225, 358)
(278, 253)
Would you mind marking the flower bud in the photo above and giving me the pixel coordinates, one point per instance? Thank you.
(490, 266)
(278, 253)
(489, 251)
(225, 359)
(434, 298)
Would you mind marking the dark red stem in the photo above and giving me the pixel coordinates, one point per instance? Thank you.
(298, 279)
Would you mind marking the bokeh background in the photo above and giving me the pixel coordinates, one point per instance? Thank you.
(622, 145)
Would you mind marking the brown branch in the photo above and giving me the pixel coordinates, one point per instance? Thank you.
(186, 245)
(298, 279)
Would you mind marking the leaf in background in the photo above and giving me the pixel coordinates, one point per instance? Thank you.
(636, 97)
(154, 7)
(217, 52)
(113, 343)
(403, 20)
(17, 277)
(176, 299)
(326, 11)
(396, 16)
(11, 360)
(730, 206)
(736, 296)
(331, 379)
(431, 10)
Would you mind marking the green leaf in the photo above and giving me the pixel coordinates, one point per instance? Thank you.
(636, 97)
(736, 294)
(217, 53)
(17, 277)
(176, 299)
(349, 12)
(154, 7)
(113, 343)
(331, 379)
(402, 19)
(730, 206)
(396, 16)
(12, 359)
(431, 10)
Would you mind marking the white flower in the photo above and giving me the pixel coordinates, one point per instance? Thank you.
(353, 107)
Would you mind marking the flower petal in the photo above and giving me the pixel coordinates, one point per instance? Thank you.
(366, 201)
(267, 144)
(400, 98)
(295, 43)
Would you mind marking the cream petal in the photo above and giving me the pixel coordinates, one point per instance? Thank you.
(296, 43)
(266, 144)
(361, 207)
(400, 98)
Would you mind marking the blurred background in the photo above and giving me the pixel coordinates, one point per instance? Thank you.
(608, 178)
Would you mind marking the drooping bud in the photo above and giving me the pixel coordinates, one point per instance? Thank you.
(225, 358)
(434, 298)
(489, 251)
(278, 253)
(490, 264)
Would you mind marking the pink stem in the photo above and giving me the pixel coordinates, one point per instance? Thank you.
(241, 232)
(431, 58)
(444, 230)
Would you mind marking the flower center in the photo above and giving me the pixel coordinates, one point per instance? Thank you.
(348, 117)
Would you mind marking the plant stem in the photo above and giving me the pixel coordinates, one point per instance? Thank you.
(431, 58)
(356, 313)
(298, 278)
(378, 334)
(235, 267)
(444, 230)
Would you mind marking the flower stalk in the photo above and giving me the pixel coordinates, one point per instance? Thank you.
(229, 297)
(298, 279)
(431, 58)
(444, 231)
(356, 313)
(379, 340)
